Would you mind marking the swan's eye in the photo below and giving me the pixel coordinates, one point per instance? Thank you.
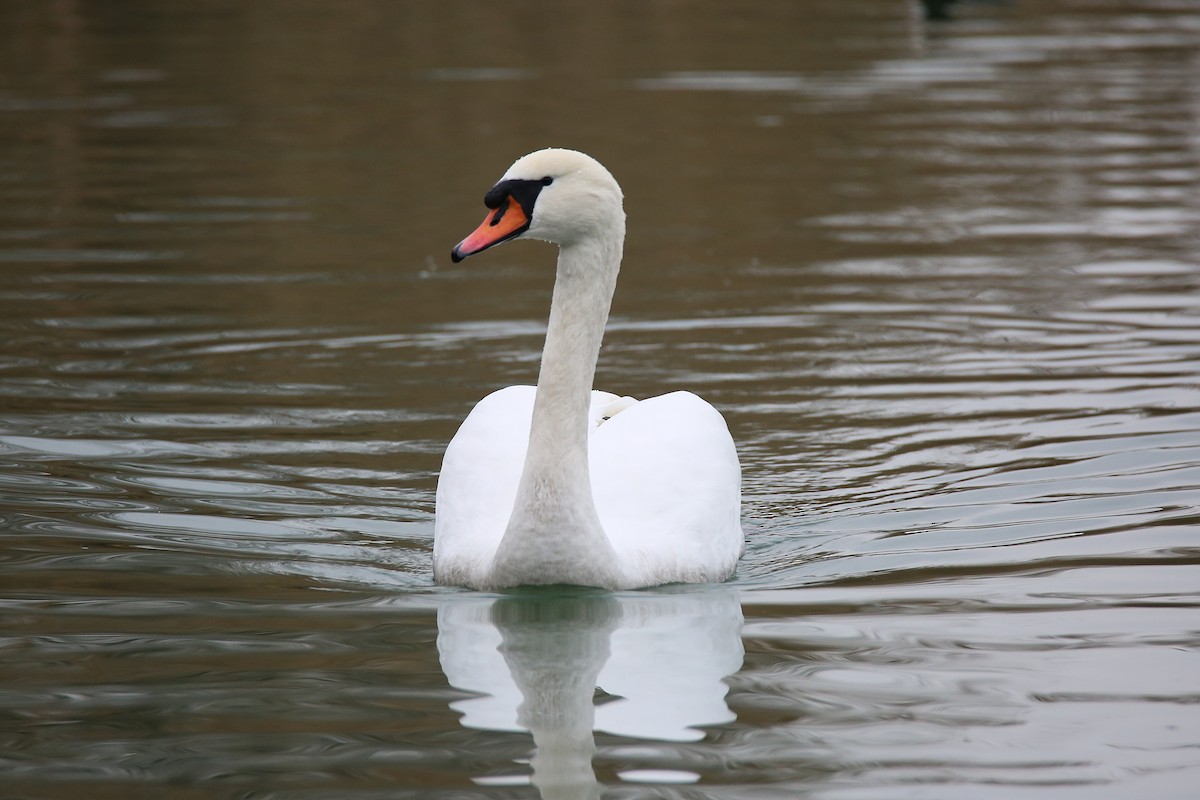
(546, 181)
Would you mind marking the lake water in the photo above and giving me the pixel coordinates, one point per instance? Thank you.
(942, 279)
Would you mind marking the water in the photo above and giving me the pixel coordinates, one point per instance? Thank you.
(941, 278)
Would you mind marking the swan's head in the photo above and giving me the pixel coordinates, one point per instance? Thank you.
(560, 196)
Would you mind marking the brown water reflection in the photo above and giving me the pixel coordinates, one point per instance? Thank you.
(941, 278)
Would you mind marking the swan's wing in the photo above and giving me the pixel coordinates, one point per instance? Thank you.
(667, 484)
(478, 484)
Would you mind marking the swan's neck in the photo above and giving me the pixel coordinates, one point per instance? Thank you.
(554, 534)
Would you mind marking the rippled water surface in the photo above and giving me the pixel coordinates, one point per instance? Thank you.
(941, 277)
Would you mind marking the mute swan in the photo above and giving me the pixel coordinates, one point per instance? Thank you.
(561, 484)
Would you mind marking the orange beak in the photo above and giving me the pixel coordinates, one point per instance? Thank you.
(501, 224)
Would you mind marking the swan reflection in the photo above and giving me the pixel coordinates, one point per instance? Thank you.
(560, 666)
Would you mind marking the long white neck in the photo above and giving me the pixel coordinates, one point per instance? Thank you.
(554, 534)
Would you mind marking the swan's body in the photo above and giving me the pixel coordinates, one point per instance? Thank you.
(561, 484)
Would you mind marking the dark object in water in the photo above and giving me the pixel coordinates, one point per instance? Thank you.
(937, 9)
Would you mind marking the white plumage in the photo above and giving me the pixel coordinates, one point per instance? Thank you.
(561, 484)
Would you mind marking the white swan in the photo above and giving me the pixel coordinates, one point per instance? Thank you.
(558, 483)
